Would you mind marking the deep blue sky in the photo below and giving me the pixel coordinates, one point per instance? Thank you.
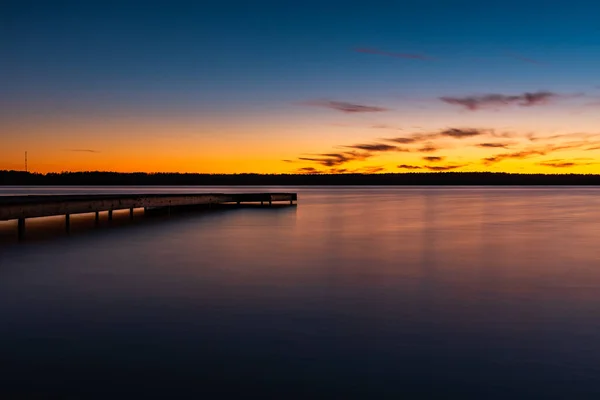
(265, 47)
(203, 57)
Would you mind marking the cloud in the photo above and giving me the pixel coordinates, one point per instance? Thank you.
(433, 159)
(404, 140)
(83, 150)
(371, 170)
(413, 56)
(428, 148)
(582, 135)
(338, 171)
(439, 168)
(335, 159)
(307, 170)
(558, 164)
(405, 166)
(516, 155)
(494, 145)
(534, 151)
(384, 126)
(288, 161)
(343, 106)
(461, 133)
(499, 100)
(454, 133)
(503, 135)
(379, 147)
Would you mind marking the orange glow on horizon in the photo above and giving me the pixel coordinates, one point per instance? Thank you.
(254, 145)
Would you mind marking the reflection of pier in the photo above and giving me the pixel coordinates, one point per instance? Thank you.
(23, 207)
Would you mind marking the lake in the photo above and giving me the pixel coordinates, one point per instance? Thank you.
(357, 292)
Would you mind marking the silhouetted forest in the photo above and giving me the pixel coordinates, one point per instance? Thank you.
(411, 178)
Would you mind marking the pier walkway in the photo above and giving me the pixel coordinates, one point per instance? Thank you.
(23, 207)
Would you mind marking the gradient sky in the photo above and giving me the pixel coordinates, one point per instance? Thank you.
(310, 86)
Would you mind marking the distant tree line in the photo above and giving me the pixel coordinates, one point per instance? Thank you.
(411, 178)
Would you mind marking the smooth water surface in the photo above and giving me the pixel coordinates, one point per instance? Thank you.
(357, 292)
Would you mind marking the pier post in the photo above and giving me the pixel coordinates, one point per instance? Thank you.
(131, 213)
(110, 215)
(270, 202)
(97, 219)
(68, 223)
(21, 229)
(238, 203)
(262, 203)
(169, 211)
(291, 202)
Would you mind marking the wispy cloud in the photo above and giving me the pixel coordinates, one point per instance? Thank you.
(494, 145)
(534, 151)
(454, 133)
(83, 150)
(515, 155)
(371, 170)
(384, 126)
(562, 163)
(500, 100)
(406, 166)
(558, 164)
(581, 135)
(307, 170)
(345, 107)
(336, 159)
(405, 140)
(413, 56)
(458, 133)
(439, 168)
(428, 148)
(377, 147)
(433, 159)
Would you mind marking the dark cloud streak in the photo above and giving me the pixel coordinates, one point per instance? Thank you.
(440, 168)
(433, 159)
(83, 150)
(494, 145)
(558, 164)
(406, 166)
(527, 99)
(345, 107)
(376, 147)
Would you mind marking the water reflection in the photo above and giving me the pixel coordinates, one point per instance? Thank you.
(474, 292)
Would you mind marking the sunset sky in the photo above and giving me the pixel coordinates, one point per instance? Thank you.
(303, 86)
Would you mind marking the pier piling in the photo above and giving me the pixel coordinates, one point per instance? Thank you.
(21, 229)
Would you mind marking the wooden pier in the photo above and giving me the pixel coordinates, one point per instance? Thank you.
(23, 207)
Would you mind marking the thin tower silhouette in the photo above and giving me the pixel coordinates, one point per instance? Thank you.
(26, 170)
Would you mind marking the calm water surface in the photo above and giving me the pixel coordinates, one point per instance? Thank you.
(357, 292)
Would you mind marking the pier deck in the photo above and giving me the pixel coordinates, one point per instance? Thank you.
(23, 207)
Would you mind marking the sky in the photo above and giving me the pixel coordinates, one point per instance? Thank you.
(300, 87)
